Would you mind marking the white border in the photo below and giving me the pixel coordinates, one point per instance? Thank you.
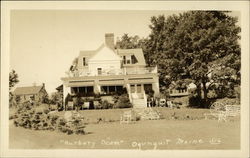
(122, 5)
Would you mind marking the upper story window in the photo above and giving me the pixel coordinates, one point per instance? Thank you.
(133, 59)
(124, 59)
(129, 59)
(99, 71)
(84, 61)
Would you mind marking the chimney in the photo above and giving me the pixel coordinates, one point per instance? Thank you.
(109, 40)
(43, 84)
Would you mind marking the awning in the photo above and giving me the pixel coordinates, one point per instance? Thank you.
(112, 83)
(80, 84)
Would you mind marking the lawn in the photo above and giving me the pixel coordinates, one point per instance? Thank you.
(188, 130)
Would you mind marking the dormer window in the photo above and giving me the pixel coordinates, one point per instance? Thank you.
(133, 59)
(129, 59)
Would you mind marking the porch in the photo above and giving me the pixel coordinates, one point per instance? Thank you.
(121, 71)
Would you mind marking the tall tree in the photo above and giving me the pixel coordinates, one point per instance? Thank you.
(130, 42)
(194, 45)
(13, 79)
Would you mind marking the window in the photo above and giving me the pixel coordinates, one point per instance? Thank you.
(124, 59)
(84, 61)
(133, 59)
(99, 71)
(132, 88)
(138, 88)
(128, 59)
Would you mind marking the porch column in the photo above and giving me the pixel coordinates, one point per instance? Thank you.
(156, 86)
(97, 87)
(142, 88)
(66, 91)
(129, 92)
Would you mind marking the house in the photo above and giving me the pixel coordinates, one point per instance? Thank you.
(31, 93)
(107, 70)
(180, 90)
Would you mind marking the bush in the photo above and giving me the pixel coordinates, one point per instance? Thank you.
(27, 117)
(123, 102)
(197, 102)
(105, 105)
(194, 101)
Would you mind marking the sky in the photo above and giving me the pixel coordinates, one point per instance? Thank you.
(43, 43)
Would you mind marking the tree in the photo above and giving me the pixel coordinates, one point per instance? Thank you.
(193, 45)
(130, 42)
(57, 98)
(13, 79)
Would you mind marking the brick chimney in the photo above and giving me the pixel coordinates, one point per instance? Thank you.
(109, 40)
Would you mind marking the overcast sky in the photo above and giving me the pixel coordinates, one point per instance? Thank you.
(43, 44)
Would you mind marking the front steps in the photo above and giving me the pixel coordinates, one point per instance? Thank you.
(139, 103)
(138, 100)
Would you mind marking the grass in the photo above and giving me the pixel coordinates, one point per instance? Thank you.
(183, 132)
(113, 115)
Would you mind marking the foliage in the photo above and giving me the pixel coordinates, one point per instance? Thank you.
(194, 45)
(77, 102)
(30, 118)
(123, 102)
(57, 98)
(13, 79)
(194, 101)
(105, 105)
(130, 42)
(45, 98)
(13, 102)
(149, 92)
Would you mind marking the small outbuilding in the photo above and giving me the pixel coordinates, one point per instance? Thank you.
(31, 93)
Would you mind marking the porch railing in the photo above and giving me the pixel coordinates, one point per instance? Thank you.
(122, 71)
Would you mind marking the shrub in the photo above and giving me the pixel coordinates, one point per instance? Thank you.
(105, 105)
(194, 101)
(123, 102)
(27, 117)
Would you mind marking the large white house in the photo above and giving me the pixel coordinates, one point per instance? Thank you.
(106, 70)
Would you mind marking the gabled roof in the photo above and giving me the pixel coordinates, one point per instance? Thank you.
(59, 87)
(27, 90)
(105, 53)
(138, 53)
(90, 53)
